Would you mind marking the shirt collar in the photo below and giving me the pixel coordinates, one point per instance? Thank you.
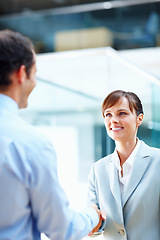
(130, 159)
(8, 104)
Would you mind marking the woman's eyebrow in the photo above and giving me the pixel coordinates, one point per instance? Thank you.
(122, 109)
(119, 110)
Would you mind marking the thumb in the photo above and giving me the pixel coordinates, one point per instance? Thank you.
(103, 215)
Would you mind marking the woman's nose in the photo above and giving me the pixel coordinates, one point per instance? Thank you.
(114, 119)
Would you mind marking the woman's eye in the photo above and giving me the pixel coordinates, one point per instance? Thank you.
(122, 113)
(107, 115)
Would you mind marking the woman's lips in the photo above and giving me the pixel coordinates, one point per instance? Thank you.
(116, 128)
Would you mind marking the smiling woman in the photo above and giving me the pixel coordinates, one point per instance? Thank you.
(119, 181)
(123, 114)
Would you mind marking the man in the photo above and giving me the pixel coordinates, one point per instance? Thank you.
(32, 200)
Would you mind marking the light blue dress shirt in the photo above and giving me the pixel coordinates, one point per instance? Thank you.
(31, 199)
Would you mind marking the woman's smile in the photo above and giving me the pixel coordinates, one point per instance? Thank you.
(116, 129)
(120, 121)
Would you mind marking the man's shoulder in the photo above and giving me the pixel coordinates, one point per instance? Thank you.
(22, 132)
(35, 136)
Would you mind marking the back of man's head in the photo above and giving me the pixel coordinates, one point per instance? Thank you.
(15, 51)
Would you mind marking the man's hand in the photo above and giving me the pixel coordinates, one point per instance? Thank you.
(102, 216)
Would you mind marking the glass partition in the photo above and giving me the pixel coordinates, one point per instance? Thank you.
(154, 125)
(66, 105)
(119, 24)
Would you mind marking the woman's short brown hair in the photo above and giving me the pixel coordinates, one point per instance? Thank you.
(115, 96)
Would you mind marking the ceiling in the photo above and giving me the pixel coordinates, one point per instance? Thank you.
(17, 6)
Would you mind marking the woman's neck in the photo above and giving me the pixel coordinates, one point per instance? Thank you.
(125, 149)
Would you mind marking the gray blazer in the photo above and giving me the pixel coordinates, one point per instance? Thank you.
(137, 215)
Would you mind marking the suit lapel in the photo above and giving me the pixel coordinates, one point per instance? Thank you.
(114, 183)
(140, 166)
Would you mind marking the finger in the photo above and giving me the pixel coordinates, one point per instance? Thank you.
(90, 234)
(103, 215)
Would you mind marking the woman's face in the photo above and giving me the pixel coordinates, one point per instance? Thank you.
(121, 124)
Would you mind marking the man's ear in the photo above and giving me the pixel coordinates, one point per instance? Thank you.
(139, 119)
(22, 74)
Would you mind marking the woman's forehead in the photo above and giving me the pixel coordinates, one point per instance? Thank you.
(121, 101)
(121, 104)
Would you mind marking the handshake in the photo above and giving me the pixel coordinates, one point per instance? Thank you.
(102, 216)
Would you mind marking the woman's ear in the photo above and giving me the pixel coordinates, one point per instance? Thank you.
(139, 119)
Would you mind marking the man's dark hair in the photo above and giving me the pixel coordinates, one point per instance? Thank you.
(15, 50)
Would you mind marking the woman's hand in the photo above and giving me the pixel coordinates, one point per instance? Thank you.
(102, 216)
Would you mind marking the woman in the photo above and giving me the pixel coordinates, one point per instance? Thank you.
(126, 184)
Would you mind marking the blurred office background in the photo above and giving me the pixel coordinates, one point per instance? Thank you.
(86, 49)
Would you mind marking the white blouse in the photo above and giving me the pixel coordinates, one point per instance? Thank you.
(127, 167)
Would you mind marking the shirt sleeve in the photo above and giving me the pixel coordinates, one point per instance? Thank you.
(50, 207)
